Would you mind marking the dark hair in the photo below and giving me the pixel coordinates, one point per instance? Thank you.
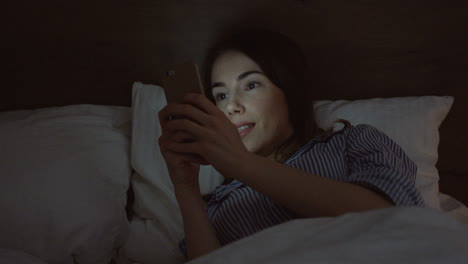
(284, 63)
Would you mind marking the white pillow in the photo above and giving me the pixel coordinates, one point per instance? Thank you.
(65, 173)
(157, 228)
(11, 256)
(412, 122)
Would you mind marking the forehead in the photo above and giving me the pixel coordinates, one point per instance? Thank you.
(232, 63)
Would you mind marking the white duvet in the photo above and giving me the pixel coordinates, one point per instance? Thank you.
(394, 235)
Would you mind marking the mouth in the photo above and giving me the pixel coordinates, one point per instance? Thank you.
(245, 129)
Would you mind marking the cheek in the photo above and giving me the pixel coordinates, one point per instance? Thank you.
(222, 108)
(278, 109)
(263, 106)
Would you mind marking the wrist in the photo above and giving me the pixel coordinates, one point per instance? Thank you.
(187, 190)
(238, 167)
(190, 200)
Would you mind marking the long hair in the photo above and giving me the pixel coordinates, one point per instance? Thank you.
(284, 63)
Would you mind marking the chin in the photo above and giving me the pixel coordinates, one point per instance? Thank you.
(256, 150)
(250, 148)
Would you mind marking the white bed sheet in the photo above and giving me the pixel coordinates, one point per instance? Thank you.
(455, 208)
(392, 235)
(452, 219)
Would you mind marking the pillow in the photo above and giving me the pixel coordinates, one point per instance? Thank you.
(16, 256)
(65, 173)
(157, 227)
(412, 122)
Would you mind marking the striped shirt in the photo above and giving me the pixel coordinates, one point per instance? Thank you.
(356, 154)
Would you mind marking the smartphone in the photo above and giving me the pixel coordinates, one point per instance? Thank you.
(181, 79)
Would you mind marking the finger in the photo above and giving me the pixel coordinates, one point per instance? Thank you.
(201, 102)
(164, 115)
(180, 136)
(183, 110)
(186, 126)
(171, 112)
(176, 159)
(188, 157)
(190, 112)
(190, 147)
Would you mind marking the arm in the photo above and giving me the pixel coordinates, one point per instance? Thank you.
(305, 194)
(200, 236)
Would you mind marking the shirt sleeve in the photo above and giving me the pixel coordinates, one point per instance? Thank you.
(376, 162)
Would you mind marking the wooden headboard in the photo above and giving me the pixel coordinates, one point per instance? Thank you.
(60, 53)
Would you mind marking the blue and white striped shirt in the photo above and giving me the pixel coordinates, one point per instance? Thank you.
(357, 154)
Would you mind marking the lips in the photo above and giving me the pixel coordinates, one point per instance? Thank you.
(244, 128)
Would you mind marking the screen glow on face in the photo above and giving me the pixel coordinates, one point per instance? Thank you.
(246, 95)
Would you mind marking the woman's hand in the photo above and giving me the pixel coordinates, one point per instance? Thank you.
(210, 137)
(182, 171)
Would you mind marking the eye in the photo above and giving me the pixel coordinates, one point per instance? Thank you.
(220, 97)
(252, 85)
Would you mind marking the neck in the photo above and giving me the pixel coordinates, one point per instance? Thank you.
(284, 153)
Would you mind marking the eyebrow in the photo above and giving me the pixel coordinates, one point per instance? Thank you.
(240, 77)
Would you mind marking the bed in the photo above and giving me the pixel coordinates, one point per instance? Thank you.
(83, 180)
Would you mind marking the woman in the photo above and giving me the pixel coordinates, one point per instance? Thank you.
(256, 128)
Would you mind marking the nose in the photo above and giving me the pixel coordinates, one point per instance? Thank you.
(234, 106)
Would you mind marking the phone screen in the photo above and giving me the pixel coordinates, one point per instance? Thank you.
(181, 79)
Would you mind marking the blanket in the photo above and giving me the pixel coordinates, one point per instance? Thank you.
(391, 235)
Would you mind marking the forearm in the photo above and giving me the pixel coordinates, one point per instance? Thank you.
(305, 194)
(200, 236)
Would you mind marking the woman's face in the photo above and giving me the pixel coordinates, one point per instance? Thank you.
(251, 101)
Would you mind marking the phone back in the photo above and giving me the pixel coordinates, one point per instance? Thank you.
(181, 79)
